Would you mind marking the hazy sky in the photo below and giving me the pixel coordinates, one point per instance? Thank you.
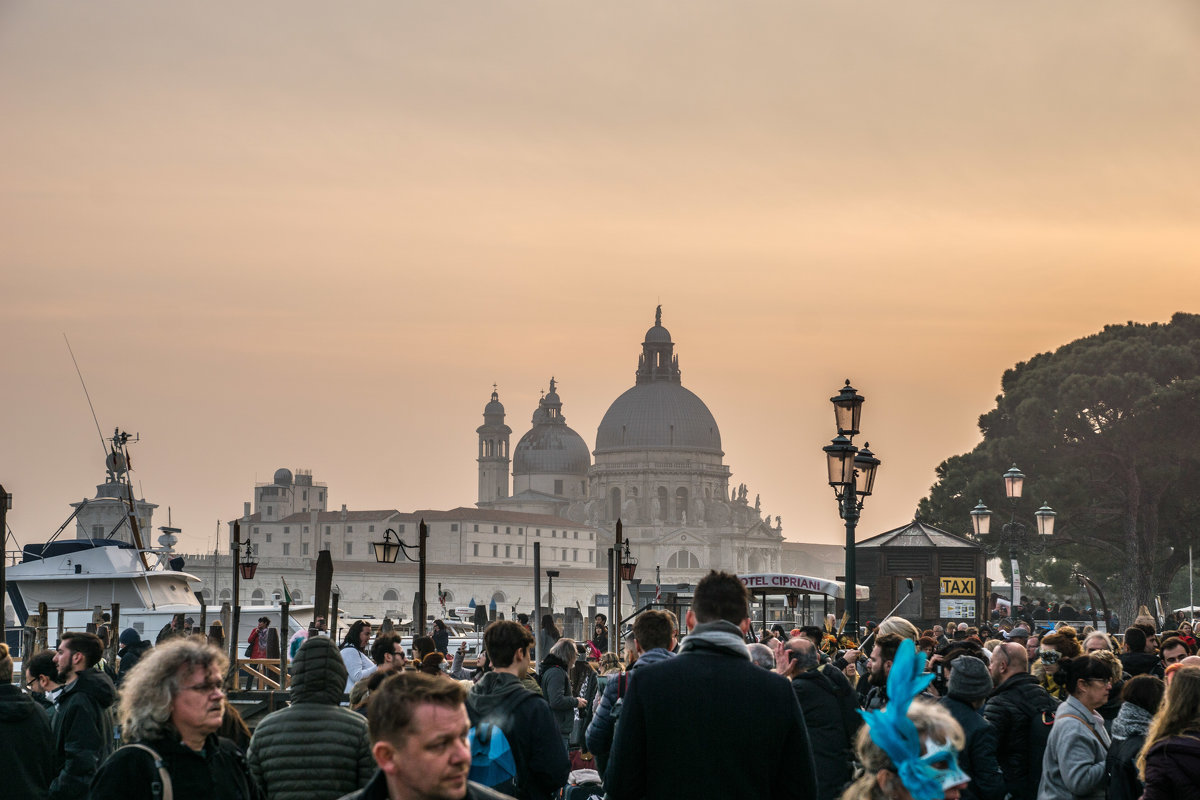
(313, 234)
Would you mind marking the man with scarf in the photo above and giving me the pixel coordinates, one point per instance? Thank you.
(727, 728)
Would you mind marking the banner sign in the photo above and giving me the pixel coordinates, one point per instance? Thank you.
(761, 582)
(958, 587)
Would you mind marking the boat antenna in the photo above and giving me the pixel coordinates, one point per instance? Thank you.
(103, 442)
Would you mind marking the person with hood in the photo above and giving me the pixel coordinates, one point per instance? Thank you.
(1141, 698)
(556, 686)
(82, 725)
(133, 647)
(314, 749)
(1169, 763)
(25, 739)
(527, 722)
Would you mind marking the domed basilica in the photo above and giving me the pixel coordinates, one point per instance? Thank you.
(658, 468)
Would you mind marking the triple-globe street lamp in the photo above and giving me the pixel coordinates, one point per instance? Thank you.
(1014, 537)
(852, 476)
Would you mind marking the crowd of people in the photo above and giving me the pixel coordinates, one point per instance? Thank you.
(1013, 711)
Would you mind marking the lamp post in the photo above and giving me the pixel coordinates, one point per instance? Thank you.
(386, 552)
(551, 574)
(852, 476)
(1014, 536)
(629, 564)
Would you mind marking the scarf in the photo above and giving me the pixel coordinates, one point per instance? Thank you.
(719, 635)
(1131, 720)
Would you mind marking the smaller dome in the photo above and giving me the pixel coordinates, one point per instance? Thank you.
(494, 405)
(658, 335)
(283, 477)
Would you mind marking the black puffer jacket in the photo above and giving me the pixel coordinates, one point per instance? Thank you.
(26, 745)
(978, 757)
(314, 747)
(133, 647)
(829, 713)
(83, 733)
(1011, 708)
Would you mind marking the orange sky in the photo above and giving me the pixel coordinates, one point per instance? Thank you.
(312, 235)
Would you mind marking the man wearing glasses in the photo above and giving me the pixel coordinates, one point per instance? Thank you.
(1022, 713)
(175, 751)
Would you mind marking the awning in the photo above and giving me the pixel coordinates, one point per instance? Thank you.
(778, 583)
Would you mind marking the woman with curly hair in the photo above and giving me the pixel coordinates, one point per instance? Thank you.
(172, 704)
(1169, 763)
(1053, 648)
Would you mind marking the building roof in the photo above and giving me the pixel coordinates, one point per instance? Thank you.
(917, 534)
(460, 514)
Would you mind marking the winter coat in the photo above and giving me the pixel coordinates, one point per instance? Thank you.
(1173, 768)
(600, 730)
(1142, 664)
(978, 756)
(532, 733)
(556, 688)
(83, 733)
(358, 665)
(219, 773)
(1012, 708)
(710, 723)
(830, 713)
(1075, 764)
(133, 647)
(26, 745)
(545, 642)
(377, 789)
(441, 639)
(314, 749)
(1129, 734)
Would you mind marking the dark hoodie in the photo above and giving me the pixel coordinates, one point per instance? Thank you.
(1173, 767)
(132, 650)
(314, 747)
(26, 745)
(542, 766)
(83, 733)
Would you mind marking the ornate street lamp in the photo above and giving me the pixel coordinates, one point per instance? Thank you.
(1014, 537)
(386, 552)
(247, 563)
(629, 564)
(852, 476)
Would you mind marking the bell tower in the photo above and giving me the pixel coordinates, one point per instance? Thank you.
(493, 452)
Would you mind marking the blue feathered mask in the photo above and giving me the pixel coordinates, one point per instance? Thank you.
(925, 777)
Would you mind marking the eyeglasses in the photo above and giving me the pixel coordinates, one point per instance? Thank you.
(208, 687)
(1101, 681)
(1049, 656)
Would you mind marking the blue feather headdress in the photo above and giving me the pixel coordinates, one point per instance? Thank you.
(897, 736)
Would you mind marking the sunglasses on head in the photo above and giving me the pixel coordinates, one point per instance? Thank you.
(1049, 656)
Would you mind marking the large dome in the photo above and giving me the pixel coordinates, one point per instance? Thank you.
(658, 416)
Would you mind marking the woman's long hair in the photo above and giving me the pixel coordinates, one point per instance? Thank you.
(353, 635)
(148, 691)
(549, 627)
(1179, 712)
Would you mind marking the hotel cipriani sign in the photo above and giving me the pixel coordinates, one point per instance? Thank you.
(778, 583)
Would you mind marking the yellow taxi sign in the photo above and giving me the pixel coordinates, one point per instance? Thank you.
(958, 587)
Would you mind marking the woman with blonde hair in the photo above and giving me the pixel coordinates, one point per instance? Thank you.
(1169, 763)
(908, 750)
(899, 626)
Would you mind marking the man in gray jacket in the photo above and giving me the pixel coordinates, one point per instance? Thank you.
(314, 749)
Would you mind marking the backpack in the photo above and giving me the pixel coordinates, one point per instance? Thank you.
(492, 760)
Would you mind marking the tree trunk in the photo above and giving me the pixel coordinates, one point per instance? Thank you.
(1135, 585)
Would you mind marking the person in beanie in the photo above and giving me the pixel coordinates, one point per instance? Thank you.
(968, 686)
(133, 647)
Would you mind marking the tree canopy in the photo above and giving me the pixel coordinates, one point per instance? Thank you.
(1107, 431)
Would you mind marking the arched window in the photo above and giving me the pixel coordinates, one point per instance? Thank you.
(683, 559)
(448, 596)
(500, 597)
(257, 598)
(206, 593)
(391, 596)
(225, 595)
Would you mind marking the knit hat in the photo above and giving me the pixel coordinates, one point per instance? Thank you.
(130, 637)
(969, 679)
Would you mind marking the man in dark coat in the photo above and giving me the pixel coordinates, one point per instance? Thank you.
(26, 743)
(968, 686)
(82, 725)
(1021, 712)
(133, 647)
(709, 723)
(830, 712)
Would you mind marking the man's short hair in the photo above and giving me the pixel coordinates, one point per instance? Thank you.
(721, 596)
(384, 645)
(653, 629)
(393, 705)
(87, 644)
(42, 663)
(888, 644)
(1135, 639)
(1175, 641)
(502, 639)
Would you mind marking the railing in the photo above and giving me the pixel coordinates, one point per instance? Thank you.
(264, 674)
